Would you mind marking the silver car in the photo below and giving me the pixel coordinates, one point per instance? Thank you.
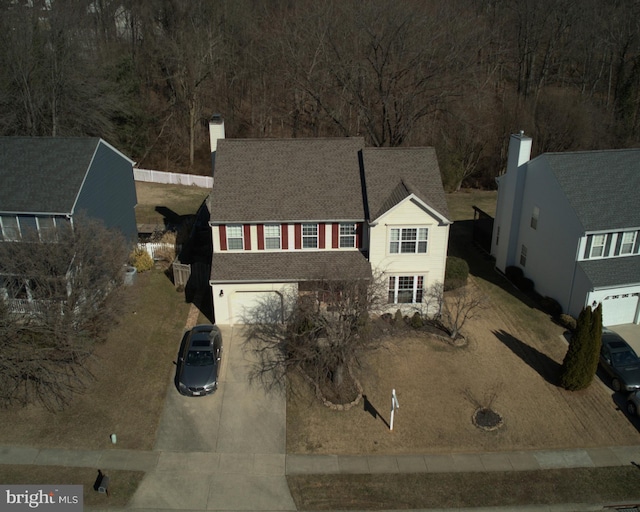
(620, 362)
(199, 363)
(633, 403)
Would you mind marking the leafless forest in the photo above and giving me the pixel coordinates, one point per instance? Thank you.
(460, 75)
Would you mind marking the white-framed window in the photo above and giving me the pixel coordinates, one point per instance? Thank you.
(272, 236)
(597, 246)
(309, 236)
(534, 217)
(523, 255)
(628, 242)
(235, 239)
(10, 228)
(498, 235)
(46, 229)
(406, 289)
(408, 240)
(347, 235)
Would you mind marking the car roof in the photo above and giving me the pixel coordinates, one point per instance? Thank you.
(201, 337)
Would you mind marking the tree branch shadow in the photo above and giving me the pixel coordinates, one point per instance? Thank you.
(370, 408)
(546, 367)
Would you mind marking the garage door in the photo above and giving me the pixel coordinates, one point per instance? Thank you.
(619, 309)
(252, 306)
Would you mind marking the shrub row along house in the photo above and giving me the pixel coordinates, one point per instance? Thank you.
(571, 223)
(287, 212)
(46, 183)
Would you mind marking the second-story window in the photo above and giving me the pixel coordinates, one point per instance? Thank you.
(234, 238)
(408, 240)
(534, 217)
(309, 236)
(10, 228)
(347, 235)
(597, 246)
(46, 229)
(628, 242)
(272, 236)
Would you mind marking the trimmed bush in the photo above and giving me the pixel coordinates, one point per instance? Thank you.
(416, 321)
(567, 321)
(581, 361)
(551, 306)
(398, 319)
(141, 260)
(456, 273)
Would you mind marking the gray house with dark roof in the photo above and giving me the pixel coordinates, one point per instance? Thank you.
(287, 211)
(571, 222)
(49, 180)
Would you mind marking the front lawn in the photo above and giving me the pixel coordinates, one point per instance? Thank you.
(132, 370)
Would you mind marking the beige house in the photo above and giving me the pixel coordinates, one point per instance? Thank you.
(288, 211)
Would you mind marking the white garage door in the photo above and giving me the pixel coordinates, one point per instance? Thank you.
(619, 309)
(252, 306)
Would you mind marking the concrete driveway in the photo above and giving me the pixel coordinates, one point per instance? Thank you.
(630, 333)
(225, 451)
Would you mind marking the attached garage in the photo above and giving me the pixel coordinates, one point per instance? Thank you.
(620, 309)
(250, 305)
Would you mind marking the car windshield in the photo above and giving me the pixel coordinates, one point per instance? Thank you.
(200, 358)
(624, 358)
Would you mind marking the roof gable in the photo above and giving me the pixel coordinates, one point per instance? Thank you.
(392, 174)
(600, 186)
(43, 174)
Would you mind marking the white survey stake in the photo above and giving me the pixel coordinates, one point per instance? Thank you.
(394, 405)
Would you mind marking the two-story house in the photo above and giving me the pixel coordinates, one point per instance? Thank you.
(47, 181)
(288, 211)
(571, 222)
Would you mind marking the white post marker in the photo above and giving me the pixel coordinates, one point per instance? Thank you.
(394, 405)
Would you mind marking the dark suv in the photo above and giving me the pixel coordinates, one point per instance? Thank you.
(620, 361)
(199, 363)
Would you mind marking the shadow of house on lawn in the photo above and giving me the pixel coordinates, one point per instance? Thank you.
(546, 367)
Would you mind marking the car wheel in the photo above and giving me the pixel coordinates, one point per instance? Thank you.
(631, 408)
(616, 385)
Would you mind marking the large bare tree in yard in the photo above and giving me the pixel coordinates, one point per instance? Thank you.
(320, 331)
(58, 297)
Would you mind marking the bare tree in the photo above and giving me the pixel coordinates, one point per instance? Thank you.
(320, 331)
(456, 306)
(57, 298)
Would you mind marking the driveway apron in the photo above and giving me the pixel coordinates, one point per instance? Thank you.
(225, 451)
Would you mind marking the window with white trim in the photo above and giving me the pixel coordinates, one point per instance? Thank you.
(408, 240)
(46, 229)
(347, 235)
(597, 246)
(272, 236)
(406, 289)
(309, 236)
(628, 242)
(235, 238)
(534, 217)
(10, 228)
(523, 255)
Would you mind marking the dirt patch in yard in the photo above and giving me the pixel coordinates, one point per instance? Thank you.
(512, 359)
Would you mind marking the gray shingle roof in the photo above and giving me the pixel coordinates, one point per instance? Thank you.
(43, 174)
(287, 266)
(287, 180)
(392, 173)
(612, 271)
(601, 186)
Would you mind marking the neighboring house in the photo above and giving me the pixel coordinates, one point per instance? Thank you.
(47, 181)
(571, 222)
(284, 212)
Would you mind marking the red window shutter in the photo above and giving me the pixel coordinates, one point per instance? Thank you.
(322, 235)
(223, 237)
(260, 237)
(298, 235)
(359, 235)
(284, 230)
(247, 237)
(335, 236)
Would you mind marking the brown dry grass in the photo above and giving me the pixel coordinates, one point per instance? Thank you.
(132, 371)
(179, 199)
